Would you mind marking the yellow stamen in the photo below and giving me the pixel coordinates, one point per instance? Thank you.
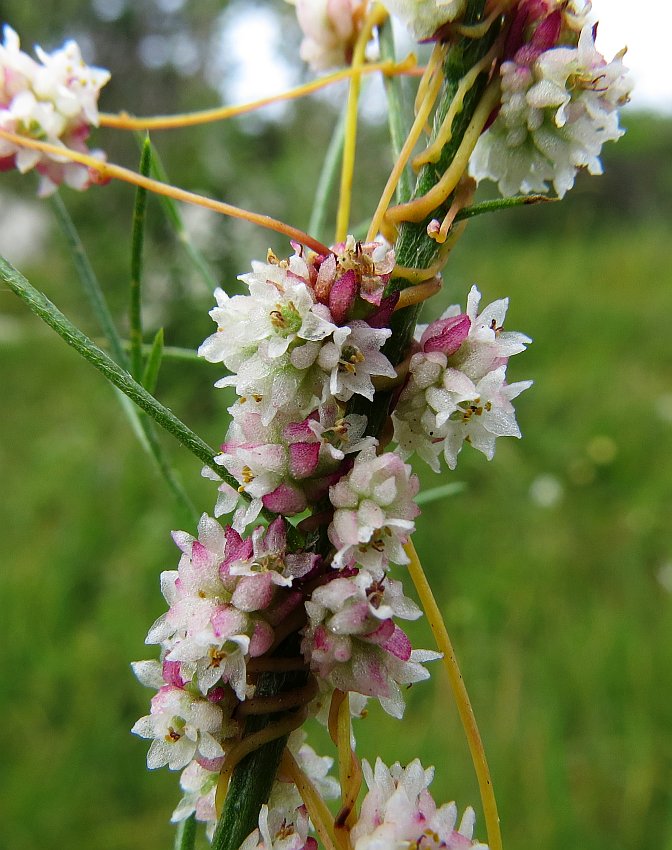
(124, 121)
(109, 170)
(460, 694)
(375, 17)
(431, 86)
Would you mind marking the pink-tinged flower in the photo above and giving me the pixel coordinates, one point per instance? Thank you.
(330, 30)
(398, 812)
(223, 598)
(183, 727)
(352, 641)
(423, 18)
(560, 101)
(54, 100)
(374, 511)
(460, 353)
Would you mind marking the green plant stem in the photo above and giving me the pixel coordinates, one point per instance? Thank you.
(396, 108)
(40, 305)
(425, 497)
(502, 204)
(253, 778)
(137, 242)
(414, 248)
(185, 836)
(174, 216)
(151, 374)
(89, 281)
(328, 180)
(141, 426)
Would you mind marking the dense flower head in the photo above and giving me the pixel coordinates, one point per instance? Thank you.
(456, 390)
(353, 642)
(374, 511)
(330, 30)
(291, 343)
(560, 101)
(292, 460)
(424, 18)
(54, 100)
(399, 812)
(225, 598)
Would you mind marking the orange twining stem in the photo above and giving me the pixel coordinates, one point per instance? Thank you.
(431, 85)
(124, 121)
(107, 170)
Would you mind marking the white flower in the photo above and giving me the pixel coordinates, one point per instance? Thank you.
(182, 726)
(374, 511)
(352, 356)
(398, 812)
(55, 101)
(557, 111)
(456, 389)
(279, 830)
(200, 786)
(424, 17)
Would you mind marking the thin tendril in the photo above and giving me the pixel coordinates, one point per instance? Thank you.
(124, 121)
(460, 694)
(317, 809)
(108, 170)
(376, 16)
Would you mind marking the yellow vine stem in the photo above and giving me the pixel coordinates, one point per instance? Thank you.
(124, 121)
(248, 745)
(376, 16)
(460, 694)
(420, 208)
(432, 152)
(479, 30)
(107, 170)
(418, 293)
(317, 808)
(430, 85)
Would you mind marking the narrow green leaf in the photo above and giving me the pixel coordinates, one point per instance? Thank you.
(503, 204)
(327, 181)
(137, 243)
(397, 109)
(151, 373)
(172, 352)
(49, 313)
(185, 837)
(442, 492)
(174, 216)
(89, 281)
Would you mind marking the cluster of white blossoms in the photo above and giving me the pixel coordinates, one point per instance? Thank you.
(560, 101)
(399, 812)
(303, 342)
(457, 390)
(54, 100)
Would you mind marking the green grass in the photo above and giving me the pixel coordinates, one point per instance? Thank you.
(561, 625)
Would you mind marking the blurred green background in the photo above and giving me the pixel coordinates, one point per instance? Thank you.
(553, 567)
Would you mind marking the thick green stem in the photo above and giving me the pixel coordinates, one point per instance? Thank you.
(253, 778)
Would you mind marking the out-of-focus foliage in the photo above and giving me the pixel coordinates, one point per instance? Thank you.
(554, 567)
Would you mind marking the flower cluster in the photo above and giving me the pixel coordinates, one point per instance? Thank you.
(399, 812)
(330, 29)
(54, 100)
(457, 390)
(560, 100)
